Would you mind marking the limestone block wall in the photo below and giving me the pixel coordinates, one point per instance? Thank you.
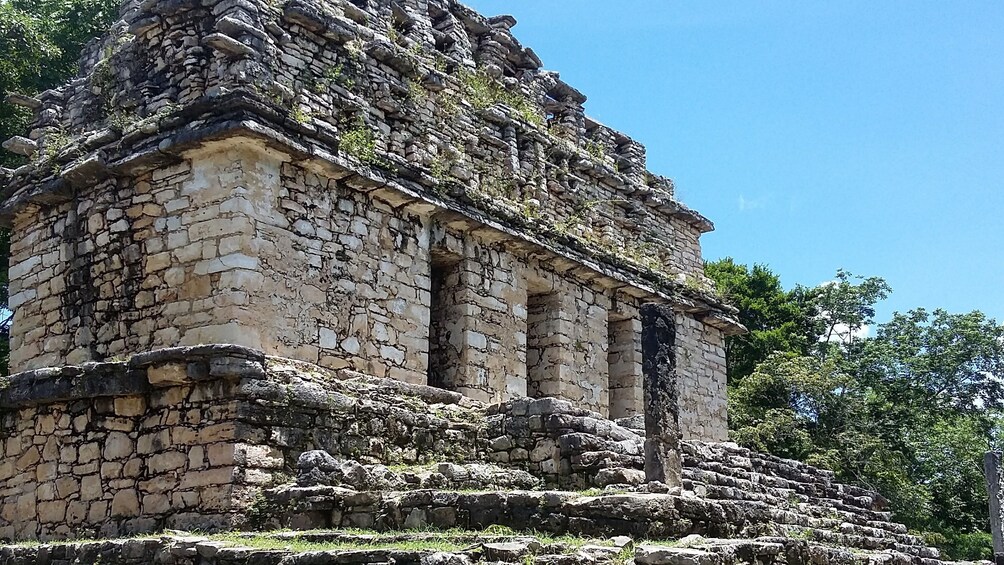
(517, 327)
(346, 277)
(185, 437)
(485, 338)
(39, 334)
(163, 259)
(700, 362)
(118, 448)
(625, 361)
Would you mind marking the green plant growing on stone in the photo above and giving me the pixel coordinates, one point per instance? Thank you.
(484, 91)
(360, 142)
(439, 168)
(698, 286)
(643, 254)
(122, 119)
(439, 63)
(448, 104)
(300, 116)
(260, 512)
(416, 92)
(102, 79)
(392, 34)
(333, 75)
(583, 211)
(595, 149)
(416, 49)
(354, 49)
(531, 209)
(626, 555)
(800, 533)
(55, 142)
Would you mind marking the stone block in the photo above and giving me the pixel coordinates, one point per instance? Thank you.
(171, 374)
(52, 512)
(118, 445)
(125, 504)
(90, 487)
(129, 406)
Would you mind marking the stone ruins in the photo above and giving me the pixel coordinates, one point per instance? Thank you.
(364, 263)
(395, 188)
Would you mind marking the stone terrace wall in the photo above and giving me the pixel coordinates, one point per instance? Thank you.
(186, 437)
(567, 447)
(117, 448)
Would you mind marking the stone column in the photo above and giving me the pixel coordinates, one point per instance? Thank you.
(995, 490)
(662, 428)
(625, 368)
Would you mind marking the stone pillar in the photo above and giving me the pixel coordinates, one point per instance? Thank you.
(487, 327)
(662, 428)
(625, 368)
(995, 490)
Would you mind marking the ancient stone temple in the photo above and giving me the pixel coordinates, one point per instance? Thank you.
(338, 264)
(239, 206)
(396, 188)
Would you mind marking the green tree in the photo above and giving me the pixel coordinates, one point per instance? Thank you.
(907, 412)
(777, 320)
(792, 406)
(939, 361)
(844, 308)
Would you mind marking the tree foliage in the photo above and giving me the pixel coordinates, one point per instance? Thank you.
(908, 412)
(777, 320)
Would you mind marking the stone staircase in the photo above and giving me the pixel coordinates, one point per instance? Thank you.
(539, 468)
(802, 500)
(553, 451)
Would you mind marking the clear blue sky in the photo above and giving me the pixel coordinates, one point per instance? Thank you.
(816, 135)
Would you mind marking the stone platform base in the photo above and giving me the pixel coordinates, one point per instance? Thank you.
(223, 438)
(446, 548)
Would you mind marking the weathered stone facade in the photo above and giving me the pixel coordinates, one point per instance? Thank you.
(392, 188)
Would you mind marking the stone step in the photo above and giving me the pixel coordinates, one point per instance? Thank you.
(816, 508)
(726, 452)
(735, 460)
(795, 518)
(640, 515)
(783, 492)
(652, 516)
(856, 539)
(448, 548)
